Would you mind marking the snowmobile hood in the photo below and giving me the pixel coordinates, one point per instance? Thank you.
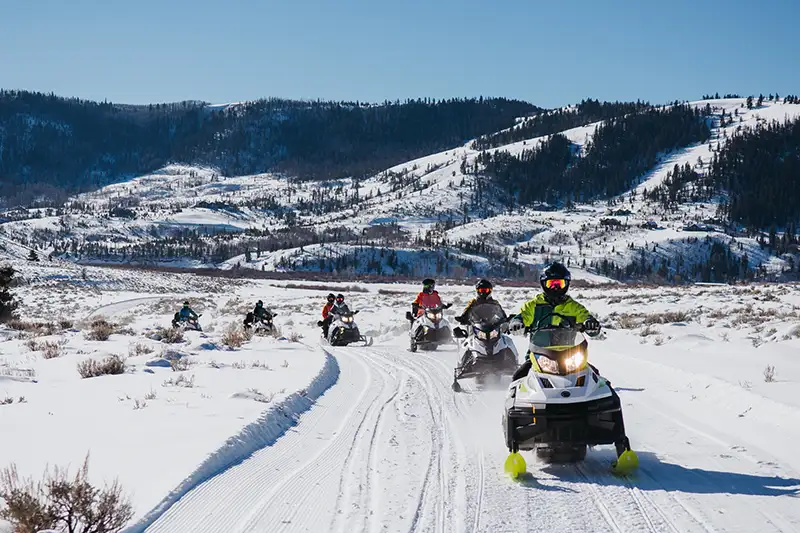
(540, 388)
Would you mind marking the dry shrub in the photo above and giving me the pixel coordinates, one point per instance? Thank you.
(649, 330)
(36, 329)
(169, 335)
(180, 364)
(180, 381)
(139, 349)
(111, 365)
(294, 336)
(65, 323)
(62, 502)
(100, 330)
(667, 317)
(234, 336)
(769, 374)
(51, 350)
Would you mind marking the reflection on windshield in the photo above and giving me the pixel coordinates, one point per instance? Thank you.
(486, 314)
(549, 338)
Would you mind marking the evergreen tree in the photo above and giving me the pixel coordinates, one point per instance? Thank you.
(7, 303)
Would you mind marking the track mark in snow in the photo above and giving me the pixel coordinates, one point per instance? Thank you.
(598, 501)
(476, 525)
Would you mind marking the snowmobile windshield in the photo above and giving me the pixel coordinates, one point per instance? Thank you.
(487, 316)
(557, 338)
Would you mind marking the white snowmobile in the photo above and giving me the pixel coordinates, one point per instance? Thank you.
(562, 405)
(343, 330)
(488, 351)
(430, 329)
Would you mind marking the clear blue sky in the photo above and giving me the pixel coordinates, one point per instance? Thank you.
(550, 53)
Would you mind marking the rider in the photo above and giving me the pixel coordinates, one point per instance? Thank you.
(427, 298)
(484, 295)
(186, 313)
(339, 307)
(326, 314)
(260, 313)
(554, 299)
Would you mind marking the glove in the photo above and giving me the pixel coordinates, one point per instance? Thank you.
(447, 306)
(591, 326)
(516, 324)
(462, 320)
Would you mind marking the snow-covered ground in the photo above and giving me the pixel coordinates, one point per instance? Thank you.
(294, 436)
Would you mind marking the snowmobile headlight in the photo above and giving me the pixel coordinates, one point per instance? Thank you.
(434, 316)
(547, 365)
(574, 362)
(494, 333)
(480, 334)
(347, 319)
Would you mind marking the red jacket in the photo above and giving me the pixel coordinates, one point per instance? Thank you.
(427, 300)
(326, 310)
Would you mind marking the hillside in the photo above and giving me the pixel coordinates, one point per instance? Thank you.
(51, 146)
(446, 214)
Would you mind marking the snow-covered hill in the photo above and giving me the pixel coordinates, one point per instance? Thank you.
(429, 211)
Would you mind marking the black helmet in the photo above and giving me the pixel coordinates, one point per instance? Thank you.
(186, 303)
(484, 288)
(340, 298)
(259, 303)
(555, 282)
(331, 298)
(428, 285)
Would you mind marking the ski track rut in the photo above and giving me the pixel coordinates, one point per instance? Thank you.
(391, 447)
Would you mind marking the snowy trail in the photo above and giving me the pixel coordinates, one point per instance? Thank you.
(391, 448)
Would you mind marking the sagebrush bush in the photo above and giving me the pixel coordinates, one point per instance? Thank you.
(169, 335)
(62, 503)
(111, 365)
(100, 330)
(234, 336)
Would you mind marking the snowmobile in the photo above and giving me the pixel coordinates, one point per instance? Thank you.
(430, 329)
(187, 323)
(343, 330)
(563, 405)
(488, 350)
(262, 327)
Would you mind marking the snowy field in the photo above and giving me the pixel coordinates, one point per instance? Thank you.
(283, 434)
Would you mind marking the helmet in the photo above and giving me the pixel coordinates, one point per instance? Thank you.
(339, 299)
(186, 303)
(259, 303)
(428, 285)
(484, 288)
(331, 298)
(555, 282)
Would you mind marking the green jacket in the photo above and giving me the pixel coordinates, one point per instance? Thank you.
(533, 311)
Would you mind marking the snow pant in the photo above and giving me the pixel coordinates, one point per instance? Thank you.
(248, 320)
(326, 324)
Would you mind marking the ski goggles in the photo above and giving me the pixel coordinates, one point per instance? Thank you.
(339, 300)
(484, 290)
(555, 284)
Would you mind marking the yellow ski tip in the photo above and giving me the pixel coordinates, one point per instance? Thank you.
(626, 463)
(515, 465)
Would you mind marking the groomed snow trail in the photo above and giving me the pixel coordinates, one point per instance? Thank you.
(390, 448)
